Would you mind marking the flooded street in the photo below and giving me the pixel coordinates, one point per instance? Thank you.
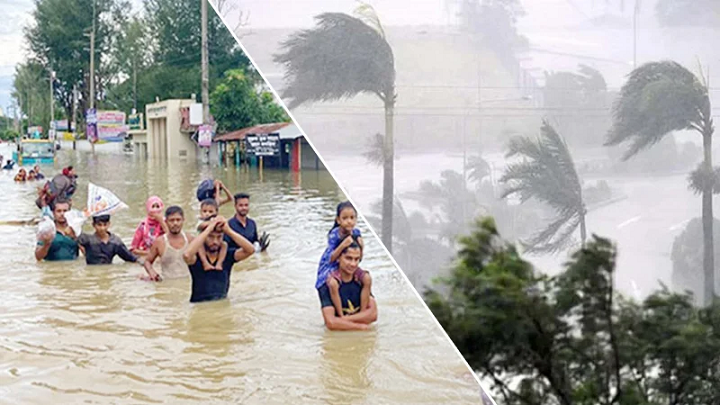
(643, 225)
(75, 334)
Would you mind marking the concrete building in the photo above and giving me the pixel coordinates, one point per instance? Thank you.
(168, 133)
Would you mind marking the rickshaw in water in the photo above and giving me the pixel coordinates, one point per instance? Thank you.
(35, 151)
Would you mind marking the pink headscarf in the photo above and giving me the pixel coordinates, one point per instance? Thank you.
(149, 228)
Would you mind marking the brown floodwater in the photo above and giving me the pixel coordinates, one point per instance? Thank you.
(74, 334)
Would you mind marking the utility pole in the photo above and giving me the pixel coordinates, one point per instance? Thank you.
(92, 70)
(74, 117)
(52, 103)
(204, 62)
(635, 14)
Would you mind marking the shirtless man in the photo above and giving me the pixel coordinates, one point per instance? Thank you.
(170, 248)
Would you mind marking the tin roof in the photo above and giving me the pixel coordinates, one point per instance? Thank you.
(262, 129)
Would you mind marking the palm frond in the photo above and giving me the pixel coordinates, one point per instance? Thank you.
(546, 173)
(700, 178)
(658, 98)
(339, 58)
(375, 152)
(478, 167)
(555, 237)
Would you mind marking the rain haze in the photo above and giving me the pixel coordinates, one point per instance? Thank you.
(461, 99)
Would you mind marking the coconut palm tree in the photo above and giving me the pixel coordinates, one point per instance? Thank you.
(547, 173)
(341, 57)
(657, 99)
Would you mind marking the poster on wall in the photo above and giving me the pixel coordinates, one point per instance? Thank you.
(91, 130)
(205, 136)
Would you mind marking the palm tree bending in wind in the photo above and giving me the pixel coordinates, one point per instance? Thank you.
(547, 173)
(657, 99)
(341, 57)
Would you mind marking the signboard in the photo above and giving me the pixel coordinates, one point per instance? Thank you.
(263, 145)
(136, 122)
(196, 114)
(91, 120)
(62, 126)
(111, 126)
(205, 135)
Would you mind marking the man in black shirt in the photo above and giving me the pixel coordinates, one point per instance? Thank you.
(211, 285)
(102, 246)
(246, 226)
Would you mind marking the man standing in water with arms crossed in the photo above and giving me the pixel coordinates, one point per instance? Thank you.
(170, 248)
(211, 285)
(355, 317)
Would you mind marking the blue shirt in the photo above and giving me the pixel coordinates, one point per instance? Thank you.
(249, 232)
(325, 267)
(211, 285)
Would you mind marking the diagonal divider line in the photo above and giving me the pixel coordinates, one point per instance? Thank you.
(347, 195)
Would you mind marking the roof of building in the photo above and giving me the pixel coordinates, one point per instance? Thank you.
(287, 130)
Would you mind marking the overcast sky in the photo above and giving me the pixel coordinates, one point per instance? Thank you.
(299, 13)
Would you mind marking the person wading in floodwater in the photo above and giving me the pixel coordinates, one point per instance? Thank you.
(211, 285)
(351, 279)
(246, 226)
(63, 244)
(170, 248)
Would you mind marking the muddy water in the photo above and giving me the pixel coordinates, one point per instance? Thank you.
(73, 334)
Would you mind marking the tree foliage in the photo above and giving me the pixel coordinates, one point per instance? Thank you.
(572, 339)
(547, 173)
(658, 98)
(58, 40)
(339, 58)
(236, 103)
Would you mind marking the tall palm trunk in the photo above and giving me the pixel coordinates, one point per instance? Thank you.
(388, 171)
(583, 228)
(707, 215)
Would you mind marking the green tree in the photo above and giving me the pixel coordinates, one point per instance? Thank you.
(235, 103)
(31, 90)
(340, 57)
(572, 339)
(657, 99)
(132, 55)
(57, 41)
(547, 173)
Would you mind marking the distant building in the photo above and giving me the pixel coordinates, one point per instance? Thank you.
(293, 150)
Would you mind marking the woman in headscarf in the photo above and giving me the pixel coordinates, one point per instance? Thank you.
(152, 227)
